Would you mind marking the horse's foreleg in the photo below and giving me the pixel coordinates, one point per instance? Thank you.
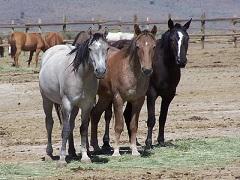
(36, 56)
(30, 58)
(136, 108)
(66, 129)
(151, 121)
(118, 111)
(47, 107)
(166, 100)
(71, 149)
(108, 116)
(96, 113)
(85, 117)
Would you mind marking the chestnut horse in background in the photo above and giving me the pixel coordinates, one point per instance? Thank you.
(127, 79)
(51, 39)
(33, 42)
(20, 41)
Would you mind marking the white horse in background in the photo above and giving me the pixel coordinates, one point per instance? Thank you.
(116, 36)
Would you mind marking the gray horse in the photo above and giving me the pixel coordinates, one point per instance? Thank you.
(69, 78)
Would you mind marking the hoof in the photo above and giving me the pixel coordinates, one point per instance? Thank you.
(61, 164)
(135, 153)
(72, 154)
(106, 147)
(86, 160)
(161, 144)
(116, 154)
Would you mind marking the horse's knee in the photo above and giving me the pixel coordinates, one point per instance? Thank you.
(151, 122)
(118, 129)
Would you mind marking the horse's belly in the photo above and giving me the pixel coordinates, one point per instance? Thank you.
(29, 47)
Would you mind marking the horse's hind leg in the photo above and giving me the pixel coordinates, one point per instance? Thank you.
(151, 121)
(36, 56)
(166, 100)
(71, 148)
(66, 128)
(108, 117)
(96, 113)
(47, 107)
(30, 58)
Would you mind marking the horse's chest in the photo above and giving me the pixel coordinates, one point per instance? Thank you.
(136, 90)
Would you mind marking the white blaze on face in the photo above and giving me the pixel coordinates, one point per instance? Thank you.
(146, 43)
(179, 42)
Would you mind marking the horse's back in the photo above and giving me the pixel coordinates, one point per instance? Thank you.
(53, 38)
(54, 51)
(55, 63)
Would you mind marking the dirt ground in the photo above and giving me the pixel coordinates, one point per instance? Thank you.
(207, 105)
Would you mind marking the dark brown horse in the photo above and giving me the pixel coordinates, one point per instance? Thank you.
(20, 41)
(127, 79)
(82, 36)
(170, 56)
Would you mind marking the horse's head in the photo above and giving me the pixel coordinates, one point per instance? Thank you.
(145, 43)
(178, 41)
(98, 47)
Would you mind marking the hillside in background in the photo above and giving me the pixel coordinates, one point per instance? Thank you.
(54, 10)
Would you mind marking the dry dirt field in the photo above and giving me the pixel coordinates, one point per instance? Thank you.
(207, 105)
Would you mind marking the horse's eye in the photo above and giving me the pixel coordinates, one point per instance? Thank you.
(89, 49)
(108, 49)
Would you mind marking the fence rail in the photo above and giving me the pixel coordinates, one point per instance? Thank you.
(232, 22)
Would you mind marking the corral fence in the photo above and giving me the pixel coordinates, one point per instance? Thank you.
(202, 29)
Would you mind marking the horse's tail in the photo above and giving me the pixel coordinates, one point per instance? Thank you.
(58, 111)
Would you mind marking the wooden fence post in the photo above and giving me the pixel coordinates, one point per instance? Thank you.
(120, 24)
(12, 23)
(234, 31)
(203, 20)
(135, 19)
(39, 25)
(64, 25)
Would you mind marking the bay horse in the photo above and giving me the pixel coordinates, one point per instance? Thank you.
(20, 41)
(169, 58)
(127, 79)
(82, 36)
(69, 78)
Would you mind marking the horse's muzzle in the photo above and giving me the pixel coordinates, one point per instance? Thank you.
(100, 73)
(181, 64)
(146, 71)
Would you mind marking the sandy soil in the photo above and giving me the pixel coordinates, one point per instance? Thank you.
(206, 105)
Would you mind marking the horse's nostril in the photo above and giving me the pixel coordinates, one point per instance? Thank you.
(147, 71)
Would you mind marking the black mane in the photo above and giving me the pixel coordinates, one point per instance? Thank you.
(82, 50)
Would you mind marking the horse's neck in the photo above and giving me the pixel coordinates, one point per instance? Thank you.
(168, 57)
(134, 64)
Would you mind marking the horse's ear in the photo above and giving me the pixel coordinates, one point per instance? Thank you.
(170, 24)
(137, 30)
(186, 26)
(154, 30)
(105, 32)
(90, 31)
